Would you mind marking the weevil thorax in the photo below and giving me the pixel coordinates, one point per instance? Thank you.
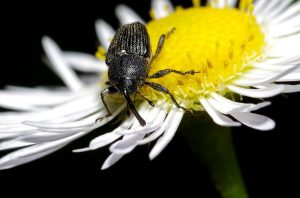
(128, 72)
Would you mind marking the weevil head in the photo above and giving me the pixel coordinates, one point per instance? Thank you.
(128, 72)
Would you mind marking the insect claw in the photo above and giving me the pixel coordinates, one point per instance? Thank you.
(151, 103)
(192, 72)
(142, 122)
(189, 111)
(98, 120)
(128, 112)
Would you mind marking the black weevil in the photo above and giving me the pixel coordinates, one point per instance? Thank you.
(129, 59)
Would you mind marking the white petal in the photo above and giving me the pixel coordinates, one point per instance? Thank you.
(70, 109)
(155, 125)
(167, 122)
(277, 10)
(16, 104)
(34, 152)
(163, 141)
(104, 32)
(271, 79)
(269, 7)
(33, 100)
(219, 106)
(13, 144)
(286, 60)
(13, 159)
(218, 3)
(81, 150)
(285, 32)
(231, 3)
(229, 103)
(18, 128)
(259, 74)
(255, 121)
(104, 121)
(286, 87)
(284, 46)
(154, 121)
(127, 144)
(259, 6)
(271, 68)
(10, 135)
(255, 107)
(34, 90)
(293, 9)
(7, 130)
(68, 125)
(85, 62)
(60, 65)
(257, 93)
(290, 78)
(221, 3)
(111, 160)
(42, 137)
(103, 140)
(65, 112)
(127, 15)
(108, 138)
(216, 116)
(161, 8)
(88, 115)
(238, 106)
(63, 131)
(291, 88)
(291, 22)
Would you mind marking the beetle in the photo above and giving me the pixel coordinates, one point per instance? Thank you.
(129, 59)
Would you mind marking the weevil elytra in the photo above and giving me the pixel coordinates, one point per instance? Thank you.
(129, 59)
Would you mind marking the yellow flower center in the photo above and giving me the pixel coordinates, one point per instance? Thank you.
(219, 43)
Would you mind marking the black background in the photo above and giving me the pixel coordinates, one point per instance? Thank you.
(267, 159)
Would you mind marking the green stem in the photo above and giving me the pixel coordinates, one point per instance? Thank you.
(213, 145)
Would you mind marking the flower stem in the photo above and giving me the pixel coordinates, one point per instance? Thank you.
(213, 145)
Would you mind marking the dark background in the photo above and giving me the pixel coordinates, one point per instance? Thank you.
(267, 159)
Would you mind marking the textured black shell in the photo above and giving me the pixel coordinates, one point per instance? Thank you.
(130, 39)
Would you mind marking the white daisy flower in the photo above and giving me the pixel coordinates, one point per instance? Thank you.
(250, 51)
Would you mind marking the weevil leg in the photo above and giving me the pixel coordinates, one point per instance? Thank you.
(149, 101)
(171, 31)
(159, 46)
(165, 72)
(163, 89)
(127, 111)
(109, 90)
(161, 43)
